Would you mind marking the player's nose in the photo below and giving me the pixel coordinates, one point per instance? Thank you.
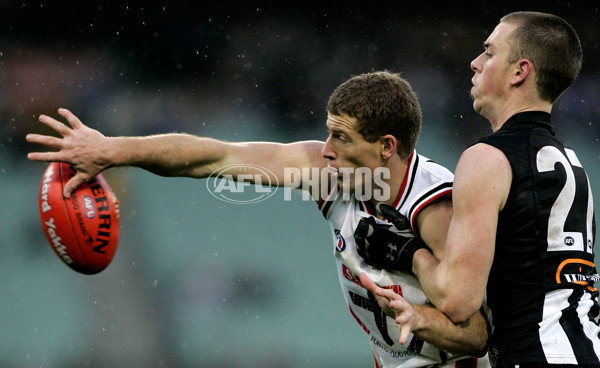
(327, 150)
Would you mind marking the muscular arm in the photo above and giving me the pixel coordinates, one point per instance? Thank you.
(433, 326)
(432, 224)
(430, 324)
(426, 322)
(456, 284)
(90, 152)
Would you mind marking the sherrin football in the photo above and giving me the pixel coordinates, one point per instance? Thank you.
(83, 230)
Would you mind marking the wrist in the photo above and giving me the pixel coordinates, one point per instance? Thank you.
(131, 151)
(420, 314)
(116, 152)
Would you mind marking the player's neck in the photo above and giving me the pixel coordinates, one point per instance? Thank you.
(397, 169)
(515, 104)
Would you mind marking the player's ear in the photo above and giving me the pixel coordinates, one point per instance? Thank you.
(522, 69)
(389, 146)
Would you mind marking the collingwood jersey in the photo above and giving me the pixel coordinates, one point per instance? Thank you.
(424, 182)
(541, 285)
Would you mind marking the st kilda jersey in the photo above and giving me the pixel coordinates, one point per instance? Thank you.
(425, 181)
(541, 286)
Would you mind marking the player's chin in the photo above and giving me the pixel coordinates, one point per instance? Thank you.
(472, 93)
(476, 103)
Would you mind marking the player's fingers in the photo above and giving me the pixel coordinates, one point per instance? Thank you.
(387, 293)
(45, 156)
(59, 127)
(73, 183)
(71, 118)
(404, 333)
(398, 303)
(46, 140)
(368, 284)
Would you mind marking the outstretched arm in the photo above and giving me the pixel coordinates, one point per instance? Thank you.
(430, 324)
(90, 152)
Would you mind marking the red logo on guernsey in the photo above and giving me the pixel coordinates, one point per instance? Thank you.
(349, 275)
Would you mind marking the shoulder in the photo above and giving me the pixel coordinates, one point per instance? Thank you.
(424, 174)
(483, 170)
(427, 165)
(482, 156)
(427, 184)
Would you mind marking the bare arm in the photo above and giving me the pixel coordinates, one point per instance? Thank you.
(432, 223)
(457, 283)
(90, 152)
(430, 324)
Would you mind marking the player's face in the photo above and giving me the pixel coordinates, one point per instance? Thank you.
(347, 150)
(491, 81)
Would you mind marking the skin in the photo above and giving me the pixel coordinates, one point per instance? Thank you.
(346, 148)
(423, 322)
(457, 283)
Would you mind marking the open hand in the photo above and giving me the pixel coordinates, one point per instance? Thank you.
(79, 146)
(395, 306)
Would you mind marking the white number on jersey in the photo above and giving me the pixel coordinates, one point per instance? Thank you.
(558, 238)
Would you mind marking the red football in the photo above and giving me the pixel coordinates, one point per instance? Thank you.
(83, 230)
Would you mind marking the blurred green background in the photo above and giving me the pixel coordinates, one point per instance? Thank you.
(197, 282)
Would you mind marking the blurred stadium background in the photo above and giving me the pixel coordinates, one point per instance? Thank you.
(198, 282)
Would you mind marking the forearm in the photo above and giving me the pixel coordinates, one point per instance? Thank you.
(425, 268)
(429, 323)
(440, 282)
(468, 338)
(167, 154)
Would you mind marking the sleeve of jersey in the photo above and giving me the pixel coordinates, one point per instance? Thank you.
(435, 184)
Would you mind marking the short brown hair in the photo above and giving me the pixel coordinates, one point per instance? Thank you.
(382, 103)
(552, 45)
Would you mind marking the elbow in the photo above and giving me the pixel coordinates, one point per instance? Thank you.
(459, 311)
(480, 346)
(477, 344)
(477, 348)
(481, 353)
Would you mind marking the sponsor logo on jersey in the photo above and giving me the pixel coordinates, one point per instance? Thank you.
(349, 275)
(578, 271)
(340, 243)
